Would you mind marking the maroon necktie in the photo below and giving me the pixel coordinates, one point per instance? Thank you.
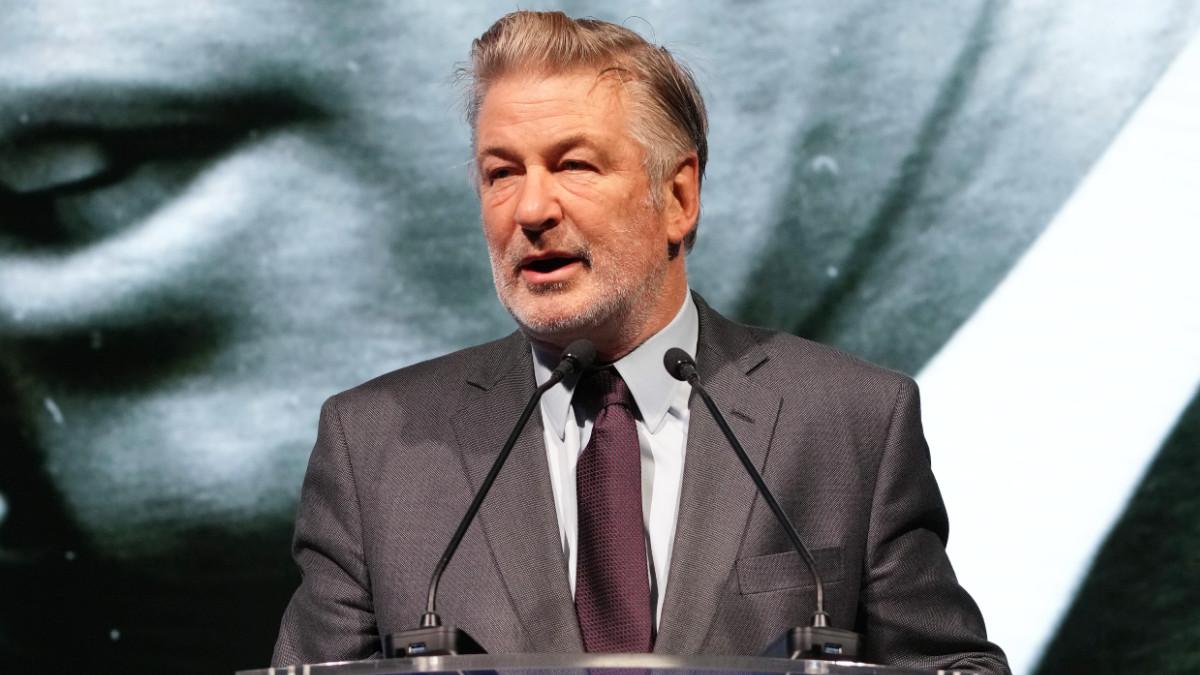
(612, 588)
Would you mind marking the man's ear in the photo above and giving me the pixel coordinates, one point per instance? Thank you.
(682, 198)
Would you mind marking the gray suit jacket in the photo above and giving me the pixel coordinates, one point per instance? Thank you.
(398, 459)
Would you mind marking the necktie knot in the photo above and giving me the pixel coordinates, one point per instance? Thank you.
(603, 387)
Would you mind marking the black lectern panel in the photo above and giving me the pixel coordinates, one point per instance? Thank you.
(591, 664)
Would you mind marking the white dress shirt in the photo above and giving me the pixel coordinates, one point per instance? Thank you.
(662, 425)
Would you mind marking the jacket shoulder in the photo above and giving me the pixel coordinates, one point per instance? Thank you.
(781, 359)
(475, 367)
(795, 353)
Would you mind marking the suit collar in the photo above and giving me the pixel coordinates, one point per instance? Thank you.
(653, 389)
(500, 360)
(725, 344)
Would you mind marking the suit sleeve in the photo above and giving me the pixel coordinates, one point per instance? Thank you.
(913, 611)
(330, 617)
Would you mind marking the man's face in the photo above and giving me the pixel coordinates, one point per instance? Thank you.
(210, 219)
(577, 248)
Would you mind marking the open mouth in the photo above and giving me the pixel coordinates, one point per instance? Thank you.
(550, 268)
(547, 265)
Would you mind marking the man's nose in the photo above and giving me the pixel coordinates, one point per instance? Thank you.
(538, 207)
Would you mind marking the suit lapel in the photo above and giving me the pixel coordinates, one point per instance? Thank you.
(717, 495)
(518, 516)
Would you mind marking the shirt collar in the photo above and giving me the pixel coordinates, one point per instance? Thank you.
(652, 387)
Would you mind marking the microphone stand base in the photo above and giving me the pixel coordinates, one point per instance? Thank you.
(432, 641)
(816, 642)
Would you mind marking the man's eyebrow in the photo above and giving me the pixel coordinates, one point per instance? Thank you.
(559, 147)
(497, 151)
(575, 141)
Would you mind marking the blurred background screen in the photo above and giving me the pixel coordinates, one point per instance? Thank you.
(214, 214)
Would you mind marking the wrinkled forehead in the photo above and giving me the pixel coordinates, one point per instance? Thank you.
(129, 34)
(580, 92)
(585, 84)
(297, 44)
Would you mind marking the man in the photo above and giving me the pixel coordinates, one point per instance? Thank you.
(590, 148)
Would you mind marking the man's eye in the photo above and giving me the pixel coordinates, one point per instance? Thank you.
(83, 173)
(576, 165)
(72, 187)
(499, 174)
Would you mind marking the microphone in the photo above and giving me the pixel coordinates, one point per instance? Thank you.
(575, 358)
(819, 640)
(433, 638)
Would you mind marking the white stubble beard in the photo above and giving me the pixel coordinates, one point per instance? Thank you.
(615, 296)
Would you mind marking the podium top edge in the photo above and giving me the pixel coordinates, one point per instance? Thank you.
(544, 664)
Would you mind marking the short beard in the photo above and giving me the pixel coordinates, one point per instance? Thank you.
(617, 301)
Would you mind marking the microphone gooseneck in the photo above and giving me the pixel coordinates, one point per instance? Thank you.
(432, 638)
(576, 357)
(682, 367)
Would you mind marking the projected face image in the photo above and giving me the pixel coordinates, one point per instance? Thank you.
(214, 214)
(209, 222)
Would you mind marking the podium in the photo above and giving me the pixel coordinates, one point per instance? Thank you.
(591, 664)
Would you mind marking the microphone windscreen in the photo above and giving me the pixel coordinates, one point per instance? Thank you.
(678, 363)
(581, 352)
